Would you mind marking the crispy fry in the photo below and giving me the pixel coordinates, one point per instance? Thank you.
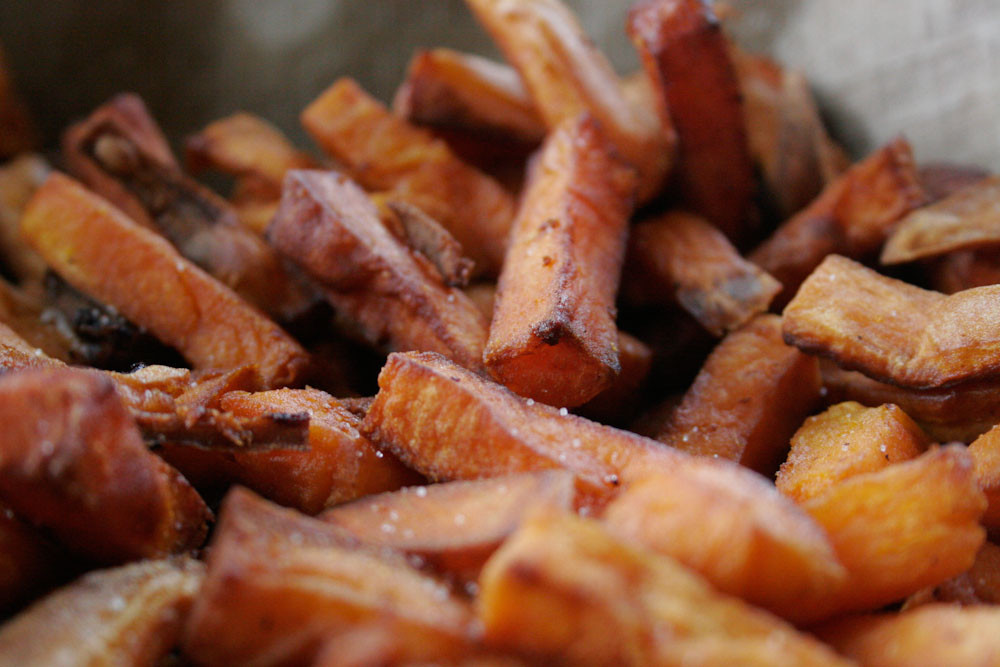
(730, 526)
(18, 181)
(682, 47)
(847, 440)
(901, 529)
(455, 526)
(426, 235)
(980, 584)
(28, 561)
(129, 615)
(750, 396)
(852, 217)
(72, 461)
(17, 133)
(941, 180)
(679, 256)
(937, 634)
(563, 587)
(894, 331)
(553, 335)
(384, 152)
(985, 452)
(566, 76)
(100, 251)
(338, 465)
(279, 583)
(329, 227)
(453, 89)
(449, 423)
(618, 403)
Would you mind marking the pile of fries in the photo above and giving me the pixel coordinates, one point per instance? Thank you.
(790, 458)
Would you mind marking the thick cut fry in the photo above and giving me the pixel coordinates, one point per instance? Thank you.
(619, 402)
(901, 529)
(101, 252)
(338, 465)
(72, 461)
(449, 423)
(847, 440)
(18, 181)
(985, 451)
(893, 331)
(279, 583)
(852, 217)
(750, 396)
(730, 525)
(29, 563)
(682, 47)
(17, 133)
(129, 615)
(567, 75)
(563, 587)
(454, 526)
(980, 584)
(967, 219)
(453, 89)
(553, 336)
(931, 636)
(329, 227)
(426, 235)
(679, 256)
(384, 152)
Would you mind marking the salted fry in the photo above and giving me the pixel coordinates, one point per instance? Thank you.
(72, 461)
(18, 181)
(893, 331)
(730, 526)
(847, 440)
(938, 634)
(103, 253)
(890, 553)
(449, 423)
(453, 89)
(567, 76)
(329, 227)
(749, 398)
(985, 452)
(564, 587)
(426, 235)
(852, 217)
(454, 526)
(17, 133)
(980, 584)
(279, 582)
(337, 465)
(679, 256)
(384, 152)
(129, 615)
(553, 335)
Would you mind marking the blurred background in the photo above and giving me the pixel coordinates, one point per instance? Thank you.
(927, 68)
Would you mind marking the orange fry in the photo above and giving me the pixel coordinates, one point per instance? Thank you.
(980, 584)
(553, 335)
(618, 403)
(985, 451)
(426, 235)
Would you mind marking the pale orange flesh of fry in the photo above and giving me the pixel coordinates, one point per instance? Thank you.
(553, 336)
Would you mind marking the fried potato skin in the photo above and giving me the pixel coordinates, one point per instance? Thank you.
(384, 152)
(72, 460)
(748, 400)
(553, 337)
(140, 274)
(893, 331)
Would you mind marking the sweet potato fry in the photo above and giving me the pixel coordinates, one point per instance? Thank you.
(279, 583)
(383, 152)
(750, 396)
(72, 461)
(618, 403)
(18, 354)
(847, 440)
(985, 452)
(901, 529)
(449, 423)
(338, 465)
(28, 561)
(938, 634)
(329, 227)
(852, 217)
(941, 179)
(567, 76)
(682, 47)
(117, 153)
(980, 584)
(893, 331)
(965, 269)
(553, 335)
(18, 181)
(563, 587)
(679, 256)
(729, 525)
(128, 615)
(426, 235)
(967, 219)
(103, 253)
(17, 133)
(455, 526)
(453, 89)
